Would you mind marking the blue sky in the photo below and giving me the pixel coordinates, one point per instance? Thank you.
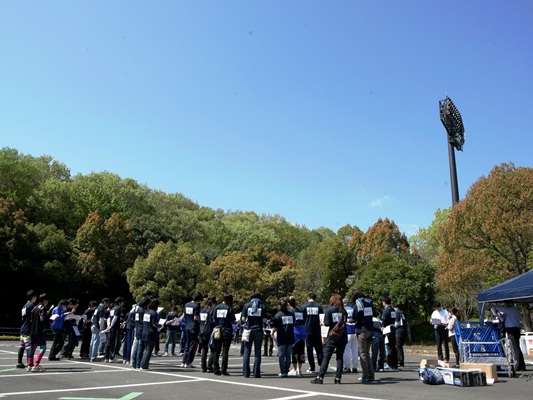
(324, 112)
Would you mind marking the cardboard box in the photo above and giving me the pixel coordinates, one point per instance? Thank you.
(463, 378)
(459, 377)
(480, 378)
(488, 369)
(430, 362)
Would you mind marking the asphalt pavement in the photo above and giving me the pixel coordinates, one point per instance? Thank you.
(78, 379)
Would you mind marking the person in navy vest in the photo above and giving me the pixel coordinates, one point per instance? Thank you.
(311, 311)
(334, 313)
(283, 332)
(364, 326)
(388, 320)
(254, 316)
(191, 330)
(223, 317)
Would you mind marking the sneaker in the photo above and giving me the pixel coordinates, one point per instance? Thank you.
(317, 380)
(293, 372)
(346, 371)
(38, 368)
(354, 371)
(21, 366)
(53, 359)
(29, 367)
(189, 366)
(112, 360)
(310, 371)
(165, 354)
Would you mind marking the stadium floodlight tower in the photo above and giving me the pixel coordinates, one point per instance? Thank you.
(451, 119)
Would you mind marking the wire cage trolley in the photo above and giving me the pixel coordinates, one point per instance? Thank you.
(480, 343)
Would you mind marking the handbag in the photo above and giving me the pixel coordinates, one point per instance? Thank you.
(245, 335)
(338, 330)
(217, 333)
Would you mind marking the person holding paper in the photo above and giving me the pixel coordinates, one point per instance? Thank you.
(98, 324)
(172, 325)
(113, 346)
(57, 318)
(439, 320)
(388, 319)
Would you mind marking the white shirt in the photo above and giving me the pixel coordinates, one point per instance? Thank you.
(442, 315)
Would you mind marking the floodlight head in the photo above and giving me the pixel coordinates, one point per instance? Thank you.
(453, 123)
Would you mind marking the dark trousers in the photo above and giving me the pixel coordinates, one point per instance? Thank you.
(455, 349)
(147, 353)
(400, 341)
(441, 336)
(190, 345)
(331, 347)
(85, 343)
(206, 364)
(268, 344)
(69, 343)
(392, 358)
(57, 344)
(314, 341)
(114, 344)
(221, 346)
(514, 336)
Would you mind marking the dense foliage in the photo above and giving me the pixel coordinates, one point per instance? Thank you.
(99, 235)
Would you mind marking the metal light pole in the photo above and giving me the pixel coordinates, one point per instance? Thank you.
(451, 119)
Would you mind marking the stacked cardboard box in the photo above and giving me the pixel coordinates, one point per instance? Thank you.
(489, 369)
(462, 377)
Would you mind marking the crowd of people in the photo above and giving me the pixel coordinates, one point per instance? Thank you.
(356, 337)
(208, 328)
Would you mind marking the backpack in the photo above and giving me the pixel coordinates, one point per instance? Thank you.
(432, 376)
(338, 330)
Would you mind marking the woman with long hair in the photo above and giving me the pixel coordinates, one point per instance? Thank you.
(334, 313)
(283, 331)
(453, 323)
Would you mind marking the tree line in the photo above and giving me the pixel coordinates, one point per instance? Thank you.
(99, 235)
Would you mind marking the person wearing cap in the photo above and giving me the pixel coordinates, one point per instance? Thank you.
(351, 351)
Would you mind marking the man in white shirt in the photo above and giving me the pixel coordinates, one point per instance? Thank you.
(439, 320)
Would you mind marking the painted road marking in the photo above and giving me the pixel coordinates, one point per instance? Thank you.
(130, 396)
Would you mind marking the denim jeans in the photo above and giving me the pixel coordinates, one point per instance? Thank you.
(256, 338)
(172, 335)
(95, 342)
(337, 347)
(284, 355)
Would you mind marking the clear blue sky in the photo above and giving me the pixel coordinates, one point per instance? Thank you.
(324, 112)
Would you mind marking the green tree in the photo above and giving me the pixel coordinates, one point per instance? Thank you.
(16, 241)
(408, 281)
(384, 237)
(491, 230)
(172, 272)
(104, 250)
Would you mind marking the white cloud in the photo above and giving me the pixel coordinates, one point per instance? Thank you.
(378, 202)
